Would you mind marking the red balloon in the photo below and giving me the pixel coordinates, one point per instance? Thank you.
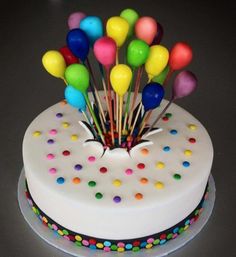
(180, 56)
(68, 55)
(146, 29)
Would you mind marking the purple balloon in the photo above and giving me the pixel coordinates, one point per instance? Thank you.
(74, 19)
(184, 84)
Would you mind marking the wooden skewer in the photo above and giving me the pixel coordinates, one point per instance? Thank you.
(145, 122)
(136, 118)
(117, 112)
(120, 118)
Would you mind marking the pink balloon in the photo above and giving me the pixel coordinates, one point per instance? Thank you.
(105, 51)
(184, 84)
(74, 20)
(146, 29)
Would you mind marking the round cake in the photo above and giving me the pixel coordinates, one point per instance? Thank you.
(115, 199)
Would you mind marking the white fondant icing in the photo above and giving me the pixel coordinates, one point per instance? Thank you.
(75, 206)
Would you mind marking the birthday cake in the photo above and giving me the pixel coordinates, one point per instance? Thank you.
(114, 178)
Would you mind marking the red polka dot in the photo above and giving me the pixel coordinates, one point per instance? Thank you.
(66, 153)
(103, 169)
(192, 140)
(163, 236)
(141, 166)
(136, 243)
(92, 241)
(165, 118)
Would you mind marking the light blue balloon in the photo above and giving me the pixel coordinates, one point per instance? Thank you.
(93, 27)
(75, 98)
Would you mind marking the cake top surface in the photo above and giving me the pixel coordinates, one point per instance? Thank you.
(55, 153)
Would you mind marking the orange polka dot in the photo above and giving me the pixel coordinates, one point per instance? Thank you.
(63, 102)
(144, 151)
(139, 196)
(76, 180)
(144, 180)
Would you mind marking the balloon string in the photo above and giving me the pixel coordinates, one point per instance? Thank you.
(160, 115)
(89, 122)
(110, 105)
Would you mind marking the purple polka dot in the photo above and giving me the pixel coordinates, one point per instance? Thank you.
(78, 167)
(50, 141)
(117, 199)
(59, 115)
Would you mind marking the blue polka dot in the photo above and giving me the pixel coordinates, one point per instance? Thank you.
(173, 131)
(162, 241)
(60, 180)
(187, 222)
(93, 247)
(166, 148)
(107, 243)
(143, 244)
(128, 246)
(176, 230)
(186, 164)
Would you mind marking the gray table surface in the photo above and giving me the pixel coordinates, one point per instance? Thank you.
(29, 28)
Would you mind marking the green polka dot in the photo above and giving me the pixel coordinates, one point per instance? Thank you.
(65, 232)
(169, 236)
(136, 249)
(49, 225)
(114, 247)
(99, 195)
(177, 176)
(196, 212)
(181, 230)
(168, 115)
(92, 183)
(156, 242)
(78, 243)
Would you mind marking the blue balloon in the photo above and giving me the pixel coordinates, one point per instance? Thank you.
(93, 27)
(152, 95)
(78, 43)
(75, 98)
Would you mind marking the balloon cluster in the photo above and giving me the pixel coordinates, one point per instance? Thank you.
(111, 123)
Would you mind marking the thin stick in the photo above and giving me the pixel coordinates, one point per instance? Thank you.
(145, 122)
(64, 80)
(89, 122)
(170, 72)
(117, 112)
(110, 106)
(161, 114)
(91, 88)
(94, 117)
(120, 117)
(136, 118)
(117, 56)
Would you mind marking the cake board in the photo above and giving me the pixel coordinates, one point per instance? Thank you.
(62, 244)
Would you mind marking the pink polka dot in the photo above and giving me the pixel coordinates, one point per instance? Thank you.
(191, 221)
(150, 240)
(54, 227)
(107, 249)
(91, 158)
(174, 236)
(50, 156)
(129, 172)
(85, 242)
(120, 244)
(67, 238)
(53, 132)
(52, 170)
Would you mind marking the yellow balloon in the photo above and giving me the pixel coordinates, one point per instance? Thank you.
(157, 60)
(54, 63)
(117, 28)
(120, 77)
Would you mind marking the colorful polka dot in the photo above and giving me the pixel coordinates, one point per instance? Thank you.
(117, 182)
(53, 132)
(65, 124)
(63, 102)
(76, 180)
(78, 167)
(160, 165)
(52, 170)
(166, 148)
(59, 115)
(143, 181)
(120, 244)
(141, 166)
(50, 141)
(144, 151)
(74, 137)
(99, 195)
(169, 115)
(173, 131)
(99, 245)
(66, 153)
(78, 238)
(165, 118)
(36, 133)
(188, 152)
(85, 242)
(192, 140)
(107, 243)
(60, 180)
(159, 185)
(91, 158)
(117, 199)
(177, 176)
(103, 169)
(92, 183)
(192, 126)
(129, 171)
(50, 156)
(138, 196)
(186, 164)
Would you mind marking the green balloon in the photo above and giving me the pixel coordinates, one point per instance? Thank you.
(131, 17)
(137, 53)
(77, 76)
(162, 76)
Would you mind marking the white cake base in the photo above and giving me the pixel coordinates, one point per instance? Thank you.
(70, 248)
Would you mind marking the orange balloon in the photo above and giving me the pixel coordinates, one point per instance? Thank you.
(146, 29)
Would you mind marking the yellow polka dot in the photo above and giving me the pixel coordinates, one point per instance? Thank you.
(117, 182)
(192, 126)
(36, 133)
(45, 219)
(186, 227)
(78, 238)
(148, 246)
(188, 152)
(65, 124)
(99, 245)
(144, 151)
(74, 137)
(120, 249)
(160, 165)
(159, 185)
(60, 232)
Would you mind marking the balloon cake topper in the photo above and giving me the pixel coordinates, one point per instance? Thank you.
(113, 122)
